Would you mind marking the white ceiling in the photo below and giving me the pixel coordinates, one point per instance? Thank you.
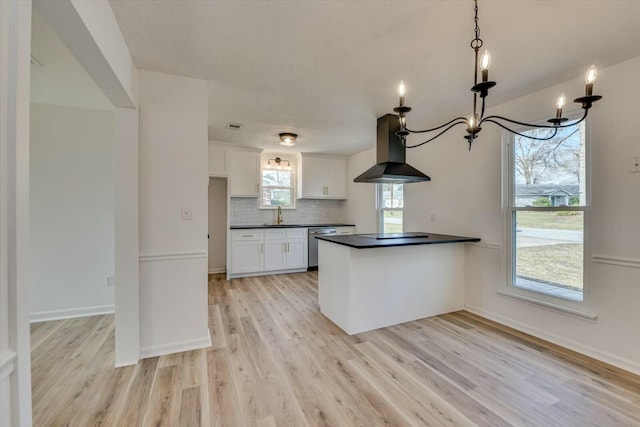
(60, 79)
(327, 69)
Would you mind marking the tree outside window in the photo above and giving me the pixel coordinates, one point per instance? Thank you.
(548, 203)
(390, 206)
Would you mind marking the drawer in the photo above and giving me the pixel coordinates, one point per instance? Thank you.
(345, 230)
(277, 235)
(297, 234)
(246, 235)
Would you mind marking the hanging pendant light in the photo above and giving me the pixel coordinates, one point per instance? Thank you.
(481, 89)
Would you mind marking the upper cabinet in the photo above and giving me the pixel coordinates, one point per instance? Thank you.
(244, 172)
(322, 177)
(219, 159)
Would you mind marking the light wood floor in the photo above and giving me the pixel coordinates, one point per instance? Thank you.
(276, 361)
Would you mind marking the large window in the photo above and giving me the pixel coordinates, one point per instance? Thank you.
(277, 187)
(547, 209)
(390, 205)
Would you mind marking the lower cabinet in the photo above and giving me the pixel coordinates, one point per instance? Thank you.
(247, 251)
(345, 230)
(255, 252)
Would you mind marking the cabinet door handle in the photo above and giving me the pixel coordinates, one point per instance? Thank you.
(262, 248)
(287, 247)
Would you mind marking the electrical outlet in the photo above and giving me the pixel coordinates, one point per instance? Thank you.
(634, 165)
(108, 281)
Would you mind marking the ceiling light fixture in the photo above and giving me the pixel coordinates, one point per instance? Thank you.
(475, 121)
(288, 139)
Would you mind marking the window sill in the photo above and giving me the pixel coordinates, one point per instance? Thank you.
(579, 313)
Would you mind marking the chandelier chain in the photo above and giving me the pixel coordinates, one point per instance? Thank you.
(477, 42)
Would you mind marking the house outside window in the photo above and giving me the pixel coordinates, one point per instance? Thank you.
(390, 201)
(547, 209)
(277, 186)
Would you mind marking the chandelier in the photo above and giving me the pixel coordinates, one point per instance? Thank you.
(481, 89)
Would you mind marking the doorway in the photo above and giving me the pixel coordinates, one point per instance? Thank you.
(217, 225)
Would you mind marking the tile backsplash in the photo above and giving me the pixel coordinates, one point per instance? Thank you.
(244, 211)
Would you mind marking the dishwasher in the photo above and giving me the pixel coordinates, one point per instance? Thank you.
(313, 244)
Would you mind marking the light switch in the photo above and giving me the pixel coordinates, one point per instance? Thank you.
(186, 214)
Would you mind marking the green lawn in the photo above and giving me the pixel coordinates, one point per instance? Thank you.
(393, 222)
(550, 220)
(554, 264)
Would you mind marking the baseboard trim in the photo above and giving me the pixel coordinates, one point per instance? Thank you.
(7, 363)
(217, 270)
(586, 350)
(176, 347)
(172, 256)
(265, 273)
(70, 313)
(621, 262)
(123, 364)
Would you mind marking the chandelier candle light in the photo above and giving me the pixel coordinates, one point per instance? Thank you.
(481, 89)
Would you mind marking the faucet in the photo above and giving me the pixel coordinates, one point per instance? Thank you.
(279, 219)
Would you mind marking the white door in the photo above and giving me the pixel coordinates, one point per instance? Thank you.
(274, 256)
(247, 257)
(296, 254)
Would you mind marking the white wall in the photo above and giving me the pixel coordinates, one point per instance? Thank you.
(126, 239)
(217, 225)
(90, 30)
(465, 196)
(173, 176)
(72, 169)
(15, 354)
(360, 206)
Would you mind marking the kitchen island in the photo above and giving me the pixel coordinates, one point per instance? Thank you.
(370, 281)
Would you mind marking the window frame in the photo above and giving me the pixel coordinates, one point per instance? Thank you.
(579, 309)
(381, 209)
(292, 188)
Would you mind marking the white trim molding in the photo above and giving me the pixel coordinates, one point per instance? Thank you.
(217, 270)
(70, 313)
(622, 363)
(486, 245)
(579, 313)
(7, 363)
(172, 256)
(176, 347)
(621, 262)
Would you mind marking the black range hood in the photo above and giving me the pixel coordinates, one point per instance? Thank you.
(391, 156)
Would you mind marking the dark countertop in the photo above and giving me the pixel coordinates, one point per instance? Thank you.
(241, 227)
(365, 241)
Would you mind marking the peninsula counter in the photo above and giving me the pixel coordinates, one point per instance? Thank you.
(368, 281)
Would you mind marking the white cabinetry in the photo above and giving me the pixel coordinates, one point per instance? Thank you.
(345, 230)
(285, 249)
(244, 173)
(268, 251)
(247, 251)
(219, 158)
(322, 177)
